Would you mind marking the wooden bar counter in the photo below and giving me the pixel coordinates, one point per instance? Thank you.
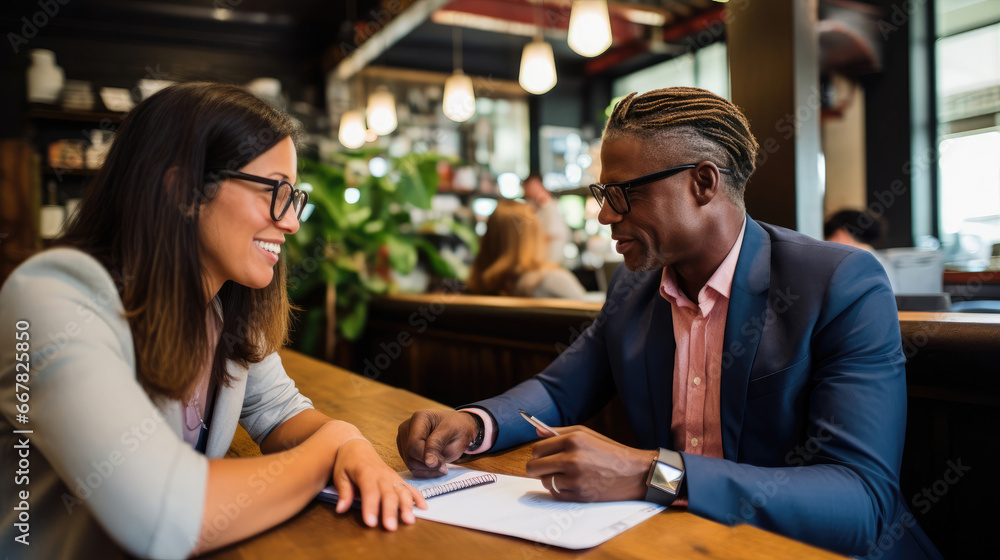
(377, 409)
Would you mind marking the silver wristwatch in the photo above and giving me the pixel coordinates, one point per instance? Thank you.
(665, 478)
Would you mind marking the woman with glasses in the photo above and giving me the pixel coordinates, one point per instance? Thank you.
(512, 259)
(153, 328)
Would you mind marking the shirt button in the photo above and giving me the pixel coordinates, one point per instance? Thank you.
(697, 381)
(694, 442)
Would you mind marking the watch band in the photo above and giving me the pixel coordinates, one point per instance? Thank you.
(480, 431)
(665, 481)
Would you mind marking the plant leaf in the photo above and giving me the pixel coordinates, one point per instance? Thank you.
(402, 254)
(353, 323)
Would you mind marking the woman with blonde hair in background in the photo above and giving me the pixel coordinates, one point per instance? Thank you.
(512, 259)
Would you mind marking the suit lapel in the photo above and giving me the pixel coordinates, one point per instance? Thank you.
(747, 302)
(225, 415)
(660, 348)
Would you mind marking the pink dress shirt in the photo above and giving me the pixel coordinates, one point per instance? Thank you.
(696, 424)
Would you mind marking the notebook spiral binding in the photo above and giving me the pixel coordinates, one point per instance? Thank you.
(458, 485)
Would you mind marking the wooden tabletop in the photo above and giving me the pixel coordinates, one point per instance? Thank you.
(377, 409)
(984, 277)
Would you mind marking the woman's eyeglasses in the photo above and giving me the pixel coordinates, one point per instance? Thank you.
(283, 194)
(617, 193)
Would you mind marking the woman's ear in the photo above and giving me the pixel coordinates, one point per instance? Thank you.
(174, 185)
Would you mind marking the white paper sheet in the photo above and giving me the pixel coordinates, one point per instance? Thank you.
(522, 507)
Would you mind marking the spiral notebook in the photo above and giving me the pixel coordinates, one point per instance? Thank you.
(430, 488)
(523, 508)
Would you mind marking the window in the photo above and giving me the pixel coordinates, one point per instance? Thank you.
(968, 100)
(707, 68)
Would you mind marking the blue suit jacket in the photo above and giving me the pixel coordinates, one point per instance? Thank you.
(813, 393)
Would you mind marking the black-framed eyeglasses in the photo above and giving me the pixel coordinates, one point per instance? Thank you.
(283, 194)
(617, 193)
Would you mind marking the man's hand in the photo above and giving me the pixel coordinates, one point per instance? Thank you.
(432, 438)
(589, 467)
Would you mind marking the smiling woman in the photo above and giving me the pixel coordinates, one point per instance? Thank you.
(168, 296)
(241, 238)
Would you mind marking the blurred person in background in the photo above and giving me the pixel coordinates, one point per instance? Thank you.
(546, 207)
(854, 228)
(861, 230)
(511, 259)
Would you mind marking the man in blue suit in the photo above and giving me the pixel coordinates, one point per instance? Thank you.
(761, 370)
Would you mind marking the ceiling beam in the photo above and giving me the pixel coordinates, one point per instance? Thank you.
(382, 40)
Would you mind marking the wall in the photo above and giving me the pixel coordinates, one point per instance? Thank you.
(844, 149)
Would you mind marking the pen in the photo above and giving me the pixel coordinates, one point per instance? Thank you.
(537, 423)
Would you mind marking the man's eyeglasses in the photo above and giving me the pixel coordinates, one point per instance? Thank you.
(283, 194)
(617, 193)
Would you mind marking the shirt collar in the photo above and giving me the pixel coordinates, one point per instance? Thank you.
(721, 281)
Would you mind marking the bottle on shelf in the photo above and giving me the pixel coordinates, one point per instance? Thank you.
(52, 215)
(45, 78)
(97, 150)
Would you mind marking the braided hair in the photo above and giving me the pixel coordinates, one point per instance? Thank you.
(709, 126)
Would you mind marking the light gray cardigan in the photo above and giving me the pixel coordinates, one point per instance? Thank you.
(106, 460)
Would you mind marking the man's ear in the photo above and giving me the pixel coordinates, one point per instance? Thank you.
(707, 182)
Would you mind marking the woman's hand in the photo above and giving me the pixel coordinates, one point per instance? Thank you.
(358, 465)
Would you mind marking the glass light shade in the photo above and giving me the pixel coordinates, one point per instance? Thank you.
(352, 129)
(538, 67)
(589, 27)
(382, 111)
(459, 98)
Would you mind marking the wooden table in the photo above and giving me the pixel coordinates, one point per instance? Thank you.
(377, 409)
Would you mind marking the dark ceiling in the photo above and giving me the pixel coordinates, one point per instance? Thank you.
(314, 28)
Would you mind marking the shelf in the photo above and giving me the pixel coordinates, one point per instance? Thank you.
(49, 170)
(53, 113)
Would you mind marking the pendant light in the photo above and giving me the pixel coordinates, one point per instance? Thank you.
(352, 129)
(352, 122)
(589, 27)
(459, 97)
(382, 111)
(538, 66)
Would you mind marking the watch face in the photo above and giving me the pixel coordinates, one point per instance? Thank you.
(666, 478)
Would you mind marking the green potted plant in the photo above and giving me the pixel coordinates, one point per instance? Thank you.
(346, 251)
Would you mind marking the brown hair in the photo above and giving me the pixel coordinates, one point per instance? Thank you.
(140, 219)
(707, 124)
(512, 246)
